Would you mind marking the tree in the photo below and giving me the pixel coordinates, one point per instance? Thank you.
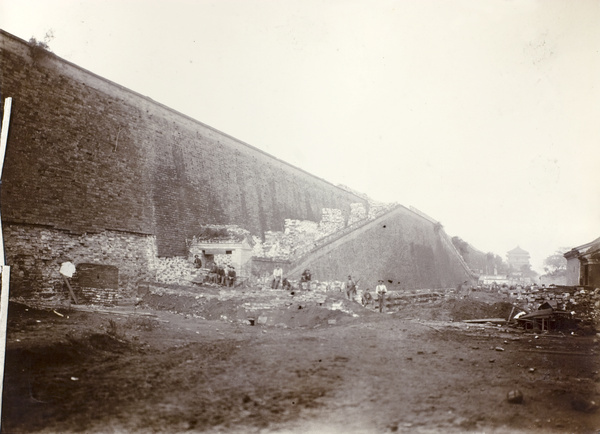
(40, 48)
(462, 247)
(556, 265)
(526, 271)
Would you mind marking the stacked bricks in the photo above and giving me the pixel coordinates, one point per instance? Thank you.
(332, 220)
(358, 212)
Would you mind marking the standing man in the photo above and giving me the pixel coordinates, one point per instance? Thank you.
(381, 290)
(277, 276)
(350, 288)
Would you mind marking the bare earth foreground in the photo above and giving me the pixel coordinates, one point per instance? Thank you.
(315, 370)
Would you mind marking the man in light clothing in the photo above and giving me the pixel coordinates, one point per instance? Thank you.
(381, 290)
(277, 276)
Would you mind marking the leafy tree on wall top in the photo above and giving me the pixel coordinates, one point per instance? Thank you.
(462, 247)
(40, 48)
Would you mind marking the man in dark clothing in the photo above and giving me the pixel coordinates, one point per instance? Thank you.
(286, 285)
(305, 279)
(220, 275)
(350, 288)
(231, 276)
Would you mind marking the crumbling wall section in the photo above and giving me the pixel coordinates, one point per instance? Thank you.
(35, 253)
(300, 236)
(358, 212)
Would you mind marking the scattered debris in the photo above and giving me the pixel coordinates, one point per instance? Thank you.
(486, 320)
(546, 318)
(584, 405)
(515, 396)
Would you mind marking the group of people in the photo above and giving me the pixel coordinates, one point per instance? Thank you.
(381, 290)
(222, 275)
(350, 286)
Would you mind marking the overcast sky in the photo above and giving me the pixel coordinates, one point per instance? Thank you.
(483, 114)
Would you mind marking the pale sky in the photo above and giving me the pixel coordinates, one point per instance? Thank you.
(484, 114)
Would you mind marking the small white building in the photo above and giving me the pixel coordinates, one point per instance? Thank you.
(493, 279)
(224, 252)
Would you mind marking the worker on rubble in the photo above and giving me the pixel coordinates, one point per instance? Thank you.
(197, 262)
(305, 279)
(213, 273)
(220, 275)
(277, 276)
(286, 285)
(381, 290)
(350, 288)
(225, 275)
(231, 276)
(366, 297)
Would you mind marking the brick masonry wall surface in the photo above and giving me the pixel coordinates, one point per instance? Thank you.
(35, 253)
(403, 247)
(86, 155)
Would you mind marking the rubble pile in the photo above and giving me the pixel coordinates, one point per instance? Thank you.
(584, 302)
(586, 305)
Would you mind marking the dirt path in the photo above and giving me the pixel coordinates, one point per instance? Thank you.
(375, 373)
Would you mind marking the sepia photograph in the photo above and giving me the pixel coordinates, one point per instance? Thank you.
(300, 216)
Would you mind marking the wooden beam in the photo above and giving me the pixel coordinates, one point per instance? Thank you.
(3, 140)
(70, 289)
(5, 270)
(4, 134)
(3, 324)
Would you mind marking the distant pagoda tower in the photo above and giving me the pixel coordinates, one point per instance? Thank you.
(517, 257)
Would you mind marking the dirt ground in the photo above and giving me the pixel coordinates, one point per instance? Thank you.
(314, 370)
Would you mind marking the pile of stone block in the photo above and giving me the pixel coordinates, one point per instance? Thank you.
(358, 212)
(584, 301)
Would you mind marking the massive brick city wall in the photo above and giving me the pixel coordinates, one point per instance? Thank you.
(119, 184)
(87, 156)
